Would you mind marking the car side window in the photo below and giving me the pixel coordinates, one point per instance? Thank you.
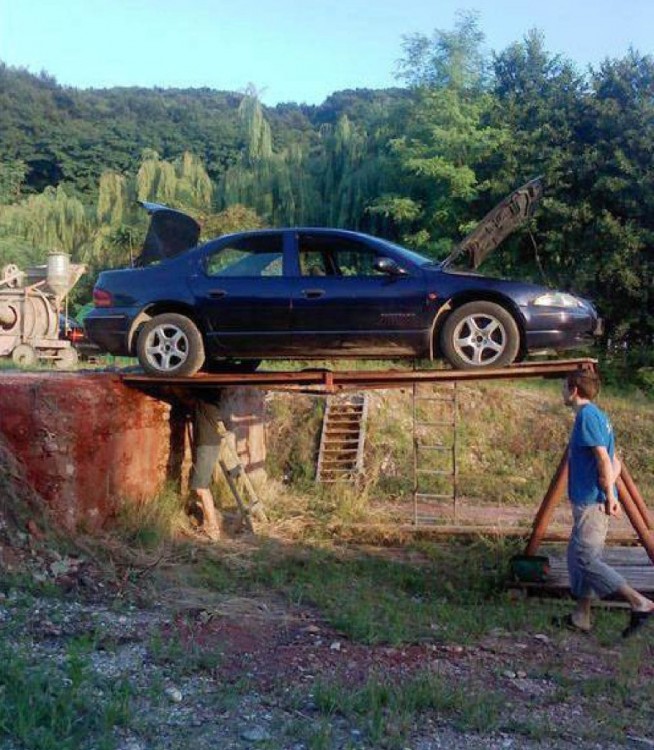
(322, 255)
(248, 257)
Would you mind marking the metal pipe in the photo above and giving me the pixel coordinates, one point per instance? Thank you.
(552, 498)
(636, 497)
(633, 514)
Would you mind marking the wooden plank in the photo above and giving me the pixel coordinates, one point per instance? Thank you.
(631, 562)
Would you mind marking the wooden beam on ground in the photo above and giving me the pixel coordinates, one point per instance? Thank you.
(632, 563)
(387, 533)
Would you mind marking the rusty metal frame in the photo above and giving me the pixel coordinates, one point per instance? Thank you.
(628, 495)
(332, 381)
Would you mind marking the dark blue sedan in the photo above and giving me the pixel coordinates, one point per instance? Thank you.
(325, 293)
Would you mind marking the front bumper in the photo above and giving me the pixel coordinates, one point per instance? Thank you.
(557, 328)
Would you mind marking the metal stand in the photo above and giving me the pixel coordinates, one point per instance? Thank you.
(628, 494)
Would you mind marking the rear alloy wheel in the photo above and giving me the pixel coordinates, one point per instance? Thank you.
(480, 334)
(24, 355)
(170, 344)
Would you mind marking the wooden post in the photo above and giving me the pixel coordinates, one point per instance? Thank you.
(553, 496)
(634, 515)
(636, 496)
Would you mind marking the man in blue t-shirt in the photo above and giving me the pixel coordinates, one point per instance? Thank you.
(592, 472)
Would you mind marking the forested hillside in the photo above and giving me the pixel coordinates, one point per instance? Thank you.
(419, 164)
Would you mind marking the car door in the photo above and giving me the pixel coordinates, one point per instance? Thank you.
(242, 295)
(343, 305)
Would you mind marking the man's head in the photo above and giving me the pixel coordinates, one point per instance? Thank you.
(580, 385)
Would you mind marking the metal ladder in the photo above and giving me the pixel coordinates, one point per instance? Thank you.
(247, 500)
(340, 457)
(434, 436)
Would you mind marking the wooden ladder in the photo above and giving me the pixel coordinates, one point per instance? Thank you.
(340, 457)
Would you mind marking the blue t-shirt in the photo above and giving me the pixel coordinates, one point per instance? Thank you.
(591, 428)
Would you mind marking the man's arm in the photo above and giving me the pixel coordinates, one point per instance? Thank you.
(608, 473)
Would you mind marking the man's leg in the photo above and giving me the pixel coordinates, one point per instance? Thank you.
(588, 573)
(579, 586)
(210, 525)
(636, 600)
(207, 448)
(592, 527)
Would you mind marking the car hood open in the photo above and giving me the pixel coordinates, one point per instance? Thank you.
(498, 224)
(169, 234)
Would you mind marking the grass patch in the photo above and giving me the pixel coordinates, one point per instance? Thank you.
(455, 594)
(48, 707)
(150, 523)
(388, 709)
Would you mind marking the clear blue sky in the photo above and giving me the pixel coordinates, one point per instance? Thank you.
(295, 50)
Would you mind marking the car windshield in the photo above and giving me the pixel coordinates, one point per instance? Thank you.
(410, 255)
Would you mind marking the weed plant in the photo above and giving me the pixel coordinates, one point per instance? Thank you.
(150, 523)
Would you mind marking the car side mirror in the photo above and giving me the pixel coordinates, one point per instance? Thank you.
(388, 266)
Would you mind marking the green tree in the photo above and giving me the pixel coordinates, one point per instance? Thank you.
(447, 137)
(614, 186)
(12, 179)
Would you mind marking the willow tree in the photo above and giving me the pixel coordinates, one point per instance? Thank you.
(50, 221)
(261, 179)
(344, 154)
(182, 183)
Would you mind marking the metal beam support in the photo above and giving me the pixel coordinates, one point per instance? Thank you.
(553, 497)
(330, 381)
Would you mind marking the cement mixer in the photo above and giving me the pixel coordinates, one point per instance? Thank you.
(30, 303)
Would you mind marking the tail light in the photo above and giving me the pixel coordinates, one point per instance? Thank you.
(76, 335)
(102, 298)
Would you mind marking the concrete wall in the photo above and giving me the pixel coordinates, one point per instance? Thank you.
(87, 443)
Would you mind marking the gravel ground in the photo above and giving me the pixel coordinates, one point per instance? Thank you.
(178, 667)
(242, 673)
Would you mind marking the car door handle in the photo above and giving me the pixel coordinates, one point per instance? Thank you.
(313, 293)
(217, 293)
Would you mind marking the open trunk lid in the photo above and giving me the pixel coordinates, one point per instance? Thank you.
(169, 234)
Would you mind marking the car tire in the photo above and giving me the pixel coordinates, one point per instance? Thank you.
(480, 334)
(170, 345)
(24, 355)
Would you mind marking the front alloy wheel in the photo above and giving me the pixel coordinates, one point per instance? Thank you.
(480, 334)
(170, 344)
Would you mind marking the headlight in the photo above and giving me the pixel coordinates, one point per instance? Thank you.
(557, 299)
